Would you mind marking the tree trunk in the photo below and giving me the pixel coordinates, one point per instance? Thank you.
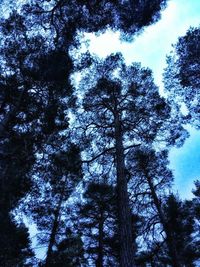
(127, 250)
(169, 238)
(100, 245)
(53, 232)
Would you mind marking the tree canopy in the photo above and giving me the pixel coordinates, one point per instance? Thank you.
(88, 163)
(182, 74)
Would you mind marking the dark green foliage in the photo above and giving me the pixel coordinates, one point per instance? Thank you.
(182, 79)
(64, 18)
(181, 224)
(98, 225)
(188, 52)
(15, 244)
(68, 252)
(56, 178)
(196, 200)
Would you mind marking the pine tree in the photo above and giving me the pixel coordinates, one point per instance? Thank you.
(68, 252)
(35, 76)
(196, 200)
(56, 178)
(24, 100)
(182, 75)
(15, 243)
(150, 187)
(63, 19)
(195, 212)
(181, 224)
(122, 110)
(97, 224)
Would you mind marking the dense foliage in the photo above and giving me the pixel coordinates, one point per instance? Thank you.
(88, 164)
(182, 79)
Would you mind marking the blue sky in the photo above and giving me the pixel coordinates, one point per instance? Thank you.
(185, 162)
(151, 48)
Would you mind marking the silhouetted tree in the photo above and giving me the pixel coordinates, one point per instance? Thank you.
(68, 252)
(63, 19)
(182, 79)
(196, 200)
(152, 181)
(181, 224)
(188, 55)
(122, 109)
(56, 178)
(32, 106)
(35, 84)
(15, 244)
(97, 217)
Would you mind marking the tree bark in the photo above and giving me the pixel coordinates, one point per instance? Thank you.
(127, 250)
(169, 238)
(100, 245)
(53, 232)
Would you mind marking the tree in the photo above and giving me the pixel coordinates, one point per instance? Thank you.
(195, 211)
(196, 200)
(98, 223)
(181, 224)
(152, 181)
(179, 219)
(56, 178)
(36, 67)
(68, 252)
(122, 109)
(63, 19)
(20, 49)
(15, 243)
(182, 79)
(29, 111)
(187, 50)
(16, 139)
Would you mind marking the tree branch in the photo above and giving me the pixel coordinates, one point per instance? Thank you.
(98, 155)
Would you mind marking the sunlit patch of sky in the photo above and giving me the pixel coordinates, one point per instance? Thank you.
(185, 163)
(151, 48)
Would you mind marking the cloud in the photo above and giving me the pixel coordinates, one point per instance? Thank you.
(151, 48)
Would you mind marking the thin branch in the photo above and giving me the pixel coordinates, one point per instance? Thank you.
(99, 155)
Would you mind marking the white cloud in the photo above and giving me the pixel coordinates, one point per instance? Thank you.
(151, 48)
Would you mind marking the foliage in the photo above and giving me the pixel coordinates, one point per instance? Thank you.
(181, 223)
(121, 120)
(98, 224)
(15, 244)
(182, 75)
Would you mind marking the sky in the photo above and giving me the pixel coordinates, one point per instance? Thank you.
(151, 48)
